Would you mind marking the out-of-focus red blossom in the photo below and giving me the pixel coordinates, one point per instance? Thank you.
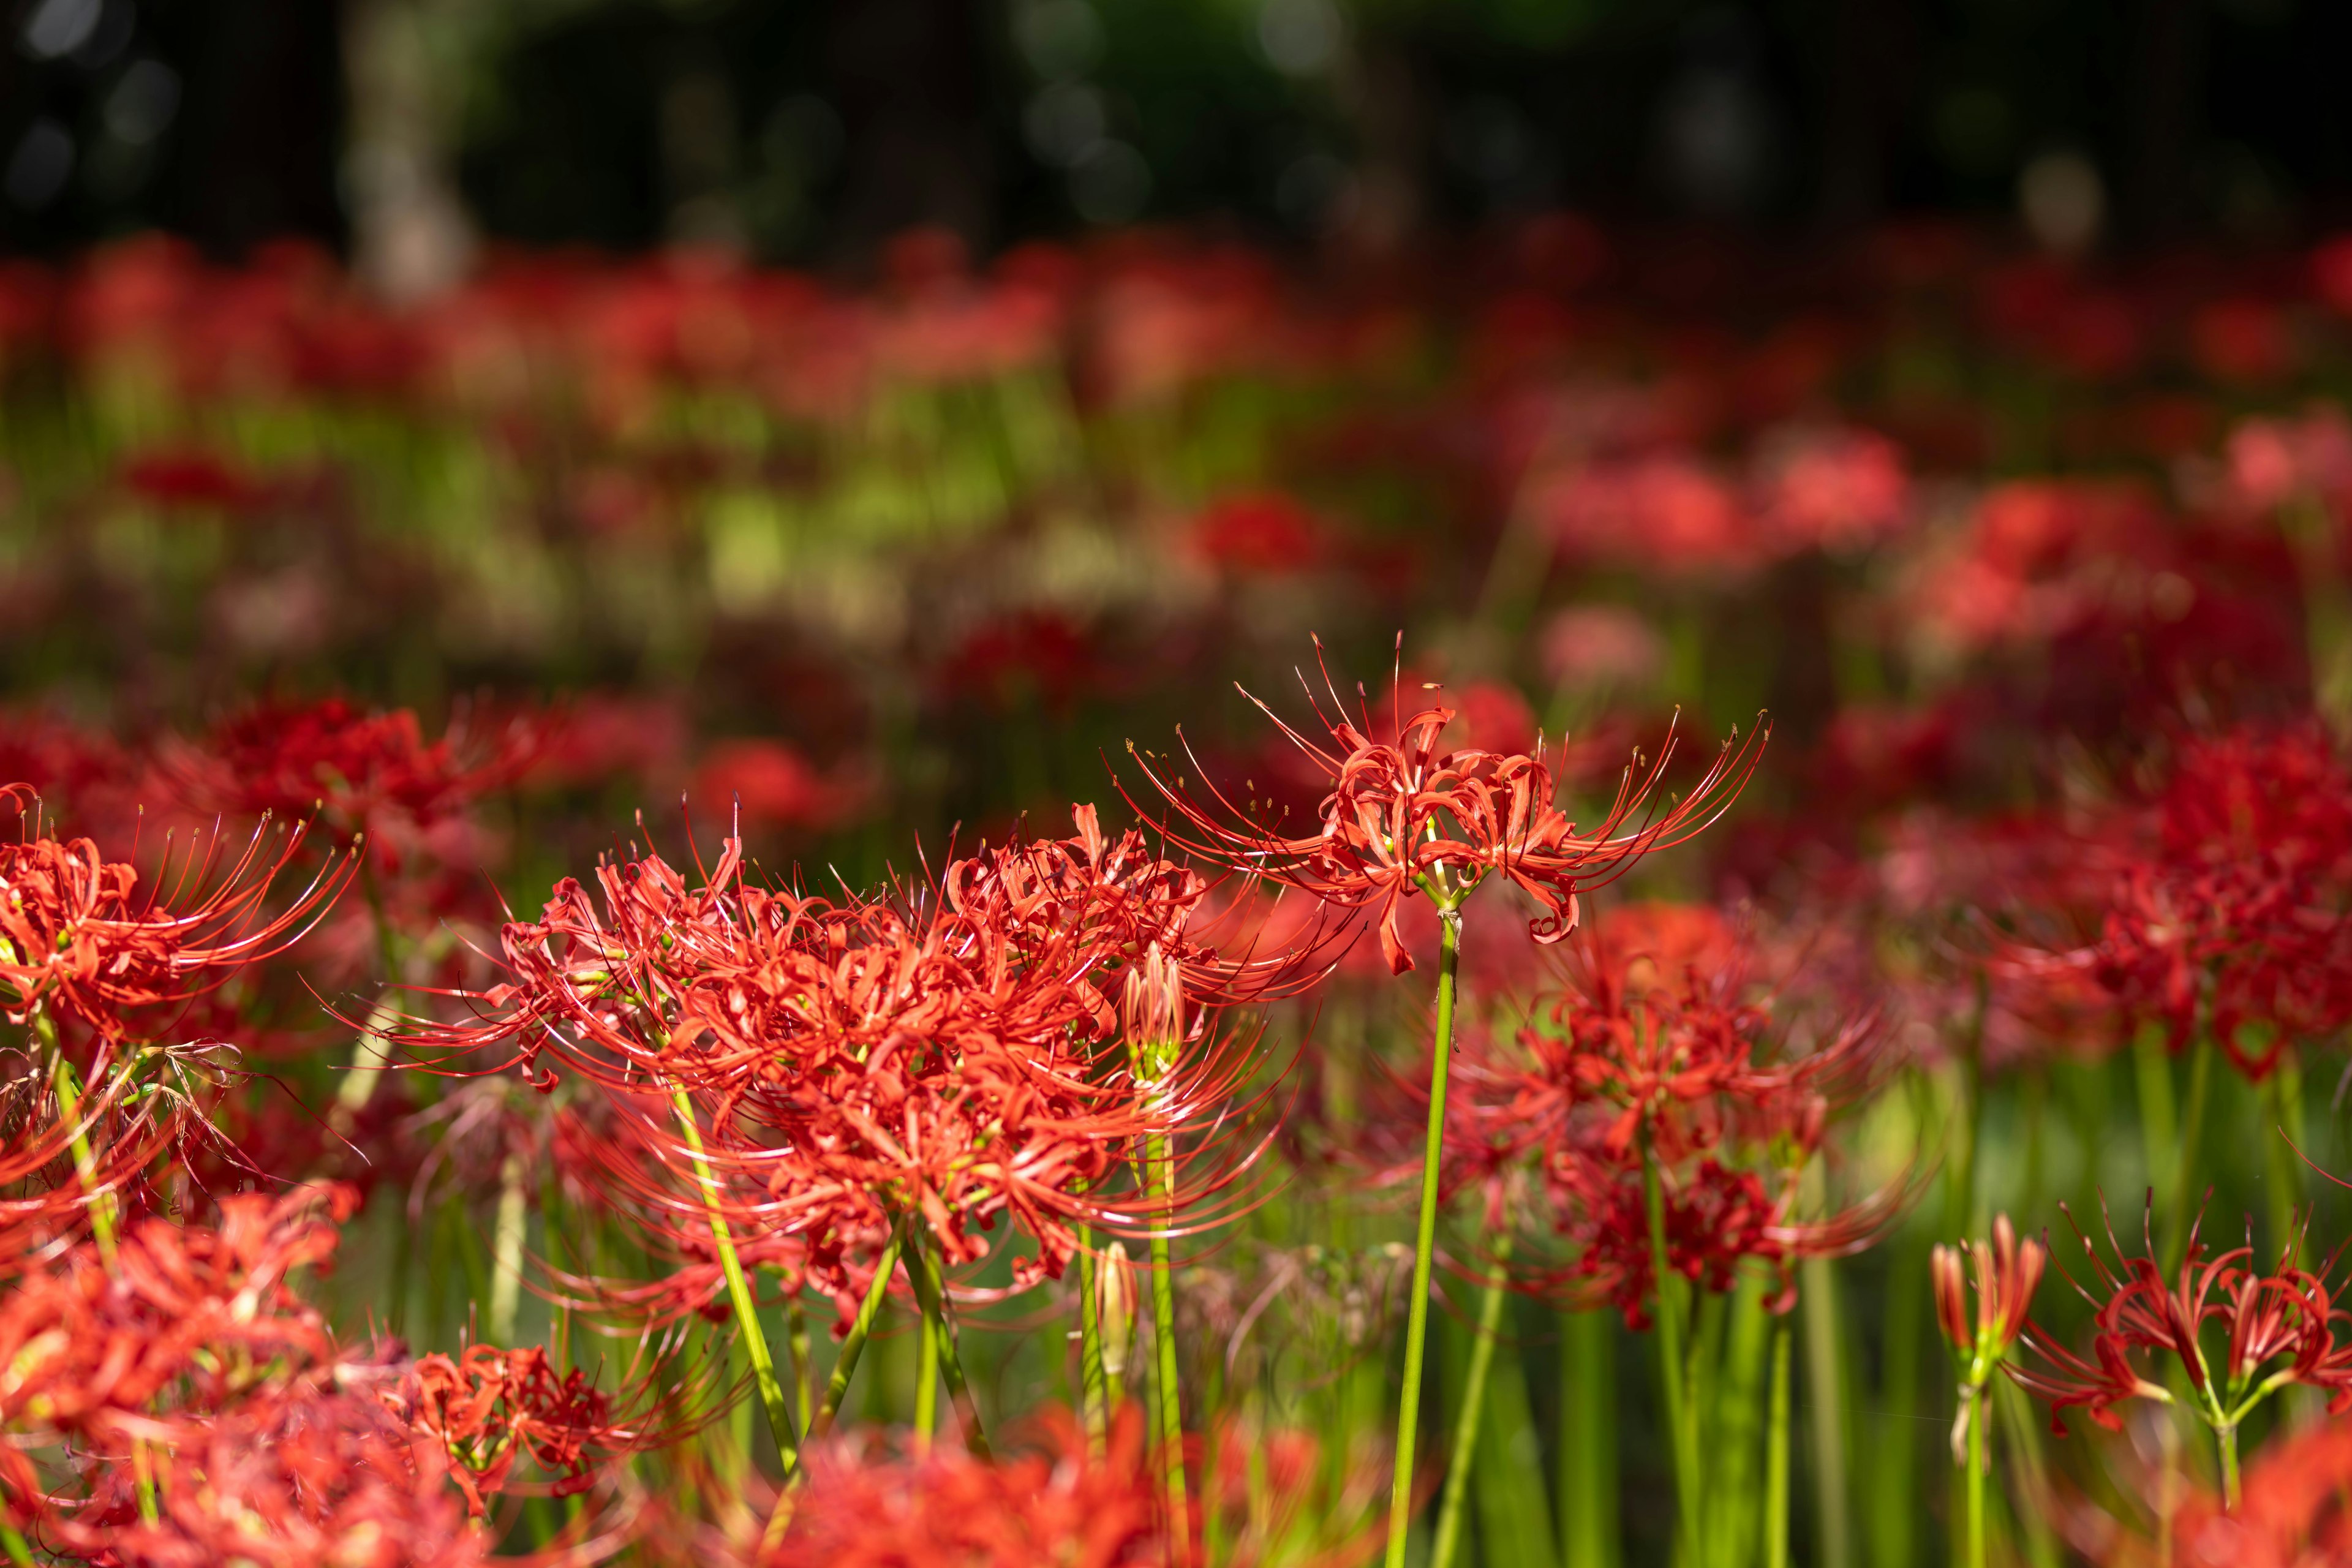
(1493, 717)
(1039, 656)
(2036, 558)
(2331, 272)
(1661, 1048)
(76, 774)
(1601, 645)
(768, 783)
(1832, 490)
(2272, 461)
(1258, 534)
(190, 477)
(592, 738)
(190, 1356)
(87, 943)
(2228, 903)
(1403, 814)
(363, 772)
(2242, 340)
(1663, 510)
(2280, 1327)
(2292, 1515)
(1064, 1507)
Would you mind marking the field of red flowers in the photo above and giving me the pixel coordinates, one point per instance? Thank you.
(1597, 900)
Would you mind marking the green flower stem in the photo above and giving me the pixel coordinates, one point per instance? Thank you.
(739, 1291)
(2185, 1159)
(18, 1552)
(2158, 1129)
(68, 1088)
(1166, 1377)
(1416, 1329)
(1680, 1428)
(2226, 1437)
(2282, 1102)
(1979, 1417)
(927, 1374)
(1589, 1534)
(1776, 1452)
(1473, 1405)
(508, 1233)
(1825, 1370)
(943, 1354)
(1093, 1401)
(853, 1345)
(796, 1338)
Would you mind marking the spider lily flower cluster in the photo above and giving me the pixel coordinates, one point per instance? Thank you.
(2236, 1333)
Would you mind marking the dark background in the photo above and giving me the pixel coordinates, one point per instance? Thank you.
(805, 132)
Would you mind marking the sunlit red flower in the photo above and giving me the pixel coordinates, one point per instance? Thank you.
(85, 941)
(1065, 1507)
(1403, 815)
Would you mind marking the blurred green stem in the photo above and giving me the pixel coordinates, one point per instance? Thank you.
(738, 1289)
(1825, 1372)
(1416, 1329)
(2282, 1099)
(853, 1345)
(1588, 1440)
(1980, 1417)
(1665, 1300)
(1166, 1380)
(2192, 1126)
(510, 1231)
(1776, 1452)
(1472, 1407)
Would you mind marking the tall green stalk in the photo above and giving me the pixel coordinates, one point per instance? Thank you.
(1825, 1371)
(1673, 1371)
(853, 1345)
(1979, 1417)
(738, 1290)
(1416, 1327)
(1472, 1408)
(1589, 1533)
(945, 1356)
(1776, 1452)
(1094, 1406)
(1166, 1380)
(2185, 1158)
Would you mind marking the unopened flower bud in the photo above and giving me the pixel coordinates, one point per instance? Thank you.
(1115, 1307)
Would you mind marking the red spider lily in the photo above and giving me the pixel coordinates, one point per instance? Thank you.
(2279, 1331)
(490, 1407)
(861, 1061)
(1403, 818)
(947, 1510)
(1625, 1065)
(372, 774)
(306, 1477)
(84, 943)
(2230, 908)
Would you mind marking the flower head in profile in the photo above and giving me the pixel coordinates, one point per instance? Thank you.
(81, 938)
(2236, 1333)
(1406, 816)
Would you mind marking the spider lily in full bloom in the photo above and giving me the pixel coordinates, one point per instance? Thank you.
(2237, 1334)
